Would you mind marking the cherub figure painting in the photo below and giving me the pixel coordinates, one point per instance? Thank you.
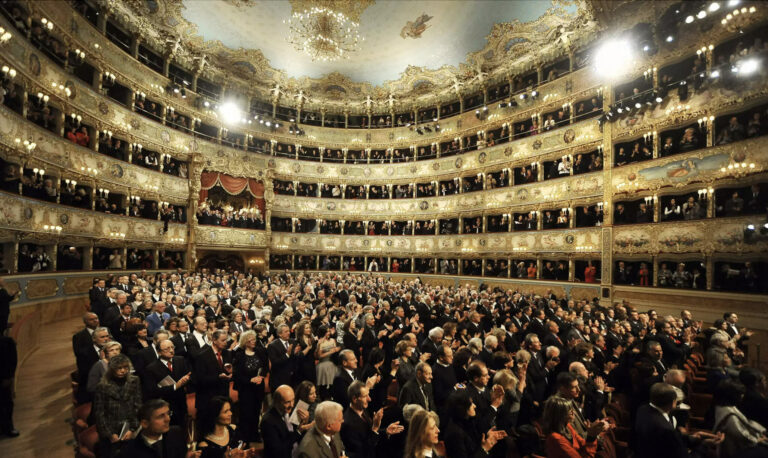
(414, 29)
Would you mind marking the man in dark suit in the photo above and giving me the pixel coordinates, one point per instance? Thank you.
(175, 393)
(281, 356)
(656, 434)
(674, 353)
(212, 371)
(551, 337)
(278, 433)
(345, 376)
(316, 443)
(98, 296)
(198, 339)
(8, 362)
(540, 369)
(537, 323)
(443, 377)
(86, 357)
(418, 390)
(83, 339)
(655, 358)
(180, 339)
(360, 432)
(157, 438)
(149, 355)
(5, 305)
(117, 325)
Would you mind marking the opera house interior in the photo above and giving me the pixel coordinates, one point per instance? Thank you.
(326, 228)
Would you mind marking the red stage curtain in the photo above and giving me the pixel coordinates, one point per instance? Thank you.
(232, 185)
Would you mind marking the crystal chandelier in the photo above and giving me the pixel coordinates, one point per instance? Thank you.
(323, 34)
(740, 18)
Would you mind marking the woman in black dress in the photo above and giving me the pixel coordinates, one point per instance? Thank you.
(217, 433)
(305, 359)
(249, 371)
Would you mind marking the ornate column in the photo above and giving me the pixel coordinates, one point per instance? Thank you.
(538, 267)
(196, 163)
(710, 266)
(88, 256)
(571, 269)
(606, 257)
(655, 261)
(156, 259)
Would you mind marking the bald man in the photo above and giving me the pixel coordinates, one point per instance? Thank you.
(278, 433)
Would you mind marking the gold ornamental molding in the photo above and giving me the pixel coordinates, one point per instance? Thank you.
(213, 236)
(708, 166)
(706, 236)
(551, 194)
(561, 244)
(82, 226)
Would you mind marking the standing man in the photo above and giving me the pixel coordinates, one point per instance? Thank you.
(5, 305)
(212, 371)
(324, 440)
(8, 361)
(279, 433)
(157, 386)
(158, 437)
(280, 353)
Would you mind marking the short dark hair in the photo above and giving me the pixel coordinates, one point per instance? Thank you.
(663, 395)
(148, 408)
(354, 390)
(565, 379)
(750, 377)
(475, 370)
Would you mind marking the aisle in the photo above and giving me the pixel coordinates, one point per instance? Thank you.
(44, 397)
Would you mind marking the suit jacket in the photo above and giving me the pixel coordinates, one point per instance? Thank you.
(180, 345)
(313, 445)
(155, 322)
(173, 444)
(177, 398)
(339, 388)
(443, 381)
(412, 394)
(278, 441)
(655, 437)
(358, 437)
(144, 358)
(282, 365)
(81, 341)
(552, 340)
(193, 347)
(206, 376)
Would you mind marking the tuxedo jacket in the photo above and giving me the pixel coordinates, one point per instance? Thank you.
(655, 437)
(358, 437)
(282, 365)
(278, 440)
(180, 344)
(339, 388)
(177, 398)
(205, 374)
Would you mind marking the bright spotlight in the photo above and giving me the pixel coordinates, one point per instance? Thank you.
(613, 58)
(689, 19)
(659, 99)
(749, 66)
(230, 113)
(638, 105)
(733, 2)
(715, 74)
(206, 104)
(670, 39)
(701, 14)
(714, 7)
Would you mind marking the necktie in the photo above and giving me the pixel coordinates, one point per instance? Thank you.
(333, 449)
(286, 346)
(170, 366)
(426, 399)
(221, 361)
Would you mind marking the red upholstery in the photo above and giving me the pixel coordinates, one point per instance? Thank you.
(87, 443)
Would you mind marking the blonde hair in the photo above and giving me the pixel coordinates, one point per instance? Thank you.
(417, 429)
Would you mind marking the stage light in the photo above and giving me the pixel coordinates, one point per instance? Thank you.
(701, 14)
(715, 74)
(689, 19)
(206, 104)
(523, 96)
(670, 38)
(230, 113)
(638, 105)
(613, 58)
(659, 99)
(620, 110)
(714, 7)
(534, 93)
(732, 3)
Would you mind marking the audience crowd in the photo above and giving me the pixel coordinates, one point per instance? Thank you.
(334, 365)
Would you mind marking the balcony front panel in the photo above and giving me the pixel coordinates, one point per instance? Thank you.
(576, 242)
(747, 157)
(27, 218)
(228, 237)
(707, 236)
(113, 173)
(557, 193)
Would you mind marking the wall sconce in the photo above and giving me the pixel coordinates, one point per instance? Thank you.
(89, 170)
(79, 55)
(47, 24)
(103, 193)
(37, 171)
(4, 36)
(136, 147)
(61, 88)
(42, 99)
(28, 145)
(107, 133)
(705, 193)
(8, 73)
(134, 200)
(649, 200)
(117, 235)
(176, 240)
(76, 119)
(140, 96)
(600, 206)
(108, 78)
(70, 184)
(53, 229)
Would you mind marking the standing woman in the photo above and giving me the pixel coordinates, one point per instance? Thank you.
(422, 435)
(249, 371)
(352, 336)
(116, 404)
(305, 364)
(217, 433)
(562, 439)
(326, 369)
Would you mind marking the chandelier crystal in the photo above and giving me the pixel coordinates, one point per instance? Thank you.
(323, 34)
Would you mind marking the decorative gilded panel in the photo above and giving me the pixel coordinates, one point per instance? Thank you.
(724, 235)
(586, 293)
(37, 289)
(77, 285)
(230, 237)
(550, 194)
(17, 212)
(586, 241)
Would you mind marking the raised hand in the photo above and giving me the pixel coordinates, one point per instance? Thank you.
(395, 428)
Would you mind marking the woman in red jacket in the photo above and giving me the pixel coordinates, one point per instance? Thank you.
(590, 273)
(562, 439)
